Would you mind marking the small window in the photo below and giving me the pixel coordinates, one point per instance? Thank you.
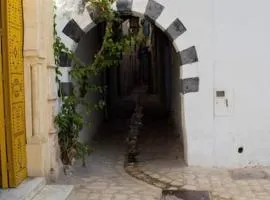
(220, 93)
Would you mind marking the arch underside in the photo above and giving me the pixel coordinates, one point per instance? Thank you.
(80, 24)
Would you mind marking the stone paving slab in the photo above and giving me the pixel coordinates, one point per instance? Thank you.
(54, 192)
(185, 195)
(25, 191)
(249, 174)
(218, 181)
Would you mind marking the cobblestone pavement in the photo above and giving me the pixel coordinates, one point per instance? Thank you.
(104, 177)
(162, 158)
(216, 181)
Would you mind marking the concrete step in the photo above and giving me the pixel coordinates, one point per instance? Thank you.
(54, 192)
(25, 191)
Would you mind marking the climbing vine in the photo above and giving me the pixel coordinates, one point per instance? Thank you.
(68, 120)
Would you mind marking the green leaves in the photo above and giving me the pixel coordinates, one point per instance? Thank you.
(68, 120)
(69, 123)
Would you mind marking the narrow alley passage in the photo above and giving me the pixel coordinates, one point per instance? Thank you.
(104, 177)
(158, 139)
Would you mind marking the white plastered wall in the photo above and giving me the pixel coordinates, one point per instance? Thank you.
(232, 43)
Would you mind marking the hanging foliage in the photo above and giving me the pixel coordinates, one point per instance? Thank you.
(68, 120)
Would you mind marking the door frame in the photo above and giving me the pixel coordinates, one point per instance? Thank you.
(13, 177)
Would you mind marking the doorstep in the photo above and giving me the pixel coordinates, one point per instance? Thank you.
(25, 191)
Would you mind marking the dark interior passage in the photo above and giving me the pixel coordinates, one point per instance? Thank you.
(158, 139)
(152, 71)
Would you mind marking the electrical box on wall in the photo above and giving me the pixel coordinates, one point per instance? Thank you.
(223, 100)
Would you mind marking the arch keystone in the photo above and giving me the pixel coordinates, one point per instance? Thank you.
(124, 7)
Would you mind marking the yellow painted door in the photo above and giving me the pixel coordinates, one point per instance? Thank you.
(14, 101)
(3, 160)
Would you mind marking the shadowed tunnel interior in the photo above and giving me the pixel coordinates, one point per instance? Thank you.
(151, 71)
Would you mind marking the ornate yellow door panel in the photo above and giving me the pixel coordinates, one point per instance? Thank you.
(14, 91)
(3, 160)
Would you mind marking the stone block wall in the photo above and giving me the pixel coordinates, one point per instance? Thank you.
(40, 89)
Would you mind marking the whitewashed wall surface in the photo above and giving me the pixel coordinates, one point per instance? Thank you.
(223, 50)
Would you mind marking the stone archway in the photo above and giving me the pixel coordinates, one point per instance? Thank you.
(72, 30)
